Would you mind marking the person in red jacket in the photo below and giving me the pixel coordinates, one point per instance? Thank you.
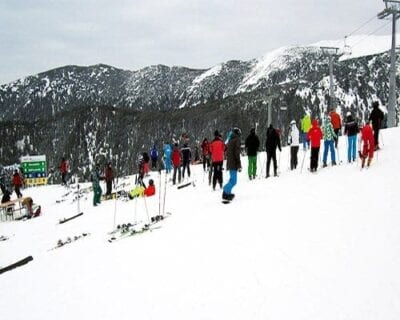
(367, 137)
(63, 170)
(336, 124)
(17, 182)
(176, 163)
(205, 151)
(109, 177)
(314, 135)
(150, 190)
(217, 149)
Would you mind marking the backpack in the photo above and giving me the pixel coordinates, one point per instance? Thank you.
(154, 153)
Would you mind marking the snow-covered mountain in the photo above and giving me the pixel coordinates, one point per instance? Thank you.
(163, 88)
(163, 101)
(300, 246)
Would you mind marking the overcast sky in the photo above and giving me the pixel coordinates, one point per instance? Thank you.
(38, 35)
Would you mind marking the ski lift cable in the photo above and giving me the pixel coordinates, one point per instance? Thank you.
(370, 34)
(360, 27)
(357, 29)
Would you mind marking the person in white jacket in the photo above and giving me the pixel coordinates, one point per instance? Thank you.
(293, 141)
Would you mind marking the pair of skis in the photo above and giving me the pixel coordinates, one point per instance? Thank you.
(62, 243)
(132, 229)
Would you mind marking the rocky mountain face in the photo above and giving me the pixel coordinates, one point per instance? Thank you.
(99, 113)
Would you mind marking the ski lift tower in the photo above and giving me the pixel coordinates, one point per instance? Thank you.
(331, 52)
(392, 9)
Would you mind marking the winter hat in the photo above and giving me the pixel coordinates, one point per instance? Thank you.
(253, 130)
(151, 182)
(348, 114)
(375, 104)
(293, 122)
(237, 131)
(216, 133)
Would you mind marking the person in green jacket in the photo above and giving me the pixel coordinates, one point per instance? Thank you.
(329, 139)
(96, 185)
(305, 127)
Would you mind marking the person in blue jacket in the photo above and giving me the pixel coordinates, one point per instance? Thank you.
(154, 157)
(167, 157)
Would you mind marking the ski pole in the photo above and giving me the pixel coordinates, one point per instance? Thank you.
(159, 194)
(165, 192)
(359, 150)
(263, 166)
(280, 160)
(79, 208)
(115, 210)
(145, 206)
(135, 210)
(302, 162)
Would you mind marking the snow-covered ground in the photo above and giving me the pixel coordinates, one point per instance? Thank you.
(300, 246)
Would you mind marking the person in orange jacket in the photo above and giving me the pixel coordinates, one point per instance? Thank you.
(367, 137)
(314, 135)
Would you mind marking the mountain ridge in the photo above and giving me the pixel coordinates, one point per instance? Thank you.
(167, 99)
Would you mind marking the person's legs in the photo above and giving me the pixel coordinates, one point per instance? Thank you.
(325, 155)
(295, 152)
(331, 144)
(231, 183)
(354, 147)
(174, 175)
(349, 148)
(269, 157)
(275, 163)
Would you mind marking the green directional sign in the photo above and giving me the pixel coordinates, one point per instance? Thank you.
(36, 166)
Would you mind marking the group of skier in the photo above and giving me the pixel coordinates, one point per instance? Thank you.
(177, 160)
(330, 130)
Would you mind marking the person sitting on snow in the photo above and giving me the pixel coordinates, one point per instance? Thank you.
(30, 213)
(142, 190)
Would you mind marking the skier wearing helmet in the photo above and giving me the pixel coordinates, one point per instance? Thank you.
(233, 164)
(293, 141)
(351, 129)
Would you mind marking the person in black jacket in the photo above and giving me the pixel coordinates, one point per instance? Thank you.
(351, 129)
(186, 158)
(273, 142)
(252, 144)
(6, 194)
(233, 164)
(376, 117)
